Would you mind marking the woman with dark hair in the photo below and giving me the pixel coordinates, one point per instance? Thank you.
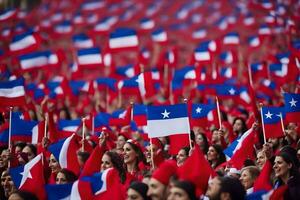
(286, 172)
(133, 157)
(27, 154)
(215, 155)
(137, 191)
(183, 190)
(239, 126)
(22, 195)
(201, 140)
(182, 155)
(113, 159)
(65, 176)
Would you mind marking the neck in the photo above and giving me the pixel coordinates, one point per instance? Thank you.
(131, 167)
(285, 178)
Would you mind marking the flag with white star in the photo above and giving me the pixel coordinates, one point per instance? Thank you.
(200, 114)
(29, 177)
(292, 107)
(172, 121)
(272, 117)
(167, 120)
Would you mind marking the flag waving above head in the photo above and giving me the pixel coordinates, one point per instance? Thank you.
(29, 177)
(65, 153)
(167, 120)
(292, 107)
(12, 93)
(272, 121)
(123, 38)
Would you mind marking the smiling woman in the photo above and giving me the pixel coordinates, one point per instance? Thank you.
(286, 172)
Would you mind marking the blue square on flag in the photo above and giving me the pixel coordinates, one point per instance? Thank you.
(167, 120)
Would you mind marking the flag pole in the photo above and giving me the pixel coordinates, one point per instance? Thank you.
(93, 124)
(45, 127)
(219, 113)
(190, 139)
(281, 122)
(152, 154)
(9, 130)
(131, 110)
(119, 98)
(262, 122)
(250, 75)
(83, 134)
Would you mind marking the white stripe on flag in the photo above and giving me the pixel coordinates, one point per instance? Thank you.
(17, 91)
(162, 128)
(35, 134)
(128, 41)
(202, 56)
(90, 59)
(23, 43)
(63, 155)
(75, 195)
(34, 62)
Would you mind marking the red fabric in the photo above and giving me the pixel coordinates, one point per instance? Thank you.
(263, 180)
(177, 142)
(165, 171)
(93, 164)
(197, 170)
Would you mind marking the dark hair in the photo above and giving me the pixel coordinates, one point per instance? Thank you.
(32, 148)
(219, 150)
(139, 152)
(70, 176)
(20, 144)
(232, 186)
(118, 164)
(25, 195)
(186, 150)
(84, 155)
(188, 187)
(205, 141)
(244, 125)
(141, 188)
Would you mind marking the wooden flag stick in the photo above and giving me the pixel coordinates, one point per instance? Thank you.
(9, 130)
(262, 122)
(152, 154)
(190, 139)
(219, 113)
(281, 122)
(45, 126)
(83, 134)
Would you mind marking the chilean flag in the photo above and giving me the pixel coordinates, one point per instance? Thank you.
(202, 55)
(90, 57)
(123, 38)
(30, 177)
(12, 93)
(105, 24)
(254, 42)
(228, 57)
(292, 107)
(147, 24)
(8, 15)
(82, 41)
(160, 36)
(146, 85)
(272, 122)
(172, 121)
(140, 114)
(26, 131)
(40, 59)
(232, 38)
(241, 149)
(199, 114)
(24, 43)
(65, 152)
(69, 125)
(199, 34)
(59, 191)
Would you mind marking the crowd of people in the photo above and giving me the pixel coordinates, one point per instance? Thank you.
(124, 161)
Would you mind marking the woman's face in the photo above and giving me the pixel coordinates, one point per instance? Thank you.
(246, 179)
(61, 178)
(53, 164)
(181, 157)
(199, 140)
(29, 152)
(260, 159)
(133, 195)
(237, 126)
(120, 142)
(106, 162)
(212, 154)
(130, 155)
(281, 168)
